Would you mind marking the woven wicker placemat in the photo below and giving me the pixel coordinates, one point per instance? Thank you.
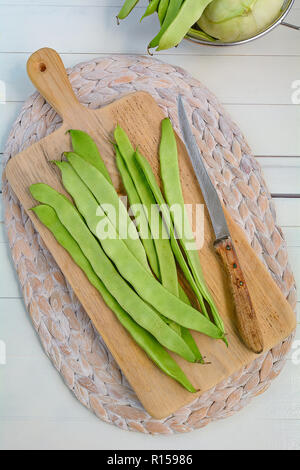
(67, 335)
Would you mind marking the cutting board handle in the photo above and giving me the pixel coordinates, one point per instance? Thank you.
(48, 74)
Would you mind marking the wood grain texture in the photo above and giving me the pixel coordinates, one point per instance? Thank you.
(246, 318)
(140, 116)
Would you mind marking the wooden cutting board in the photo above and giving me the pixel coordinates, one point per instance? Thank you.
(140, 116)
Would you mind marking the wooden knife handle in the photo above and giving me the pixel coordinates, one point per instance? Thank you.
(48, 74)
(248, 325)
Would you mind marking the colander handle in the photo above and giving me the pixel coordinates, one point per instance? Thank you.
(289, 25)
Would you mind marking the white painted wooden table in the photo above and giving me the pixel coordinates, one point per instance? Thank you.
(255, 83)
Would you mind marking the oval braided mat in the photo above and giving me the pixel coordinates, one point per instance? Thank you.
(66, 333)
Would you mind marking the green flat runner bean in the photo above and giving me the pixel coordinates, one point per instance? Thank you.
(145, 340)
(188, 15)
(154, 293)
(140, 215)
(127, 7)
(105, 193)
(173, 192)
(128, 154)
(127, 298)
(173, 9)
(86, 148)
(166, 261)
(89, 206)
(84, 200)
(135, 274)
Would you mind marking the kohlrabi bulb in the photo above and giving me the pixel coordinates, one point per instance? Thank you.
(235, 20)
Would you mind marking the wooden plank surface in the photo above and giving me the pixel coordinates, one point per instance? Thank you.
(80, 429)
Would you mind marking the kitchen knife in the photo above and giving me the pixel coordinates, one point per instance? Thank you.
(247, 321)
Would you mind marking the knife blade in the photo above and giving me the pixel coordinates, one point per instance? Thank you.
(247, 321)
(209, 192)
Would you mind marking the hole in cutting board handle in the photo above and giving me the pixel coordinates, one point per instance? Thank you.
(43, 67)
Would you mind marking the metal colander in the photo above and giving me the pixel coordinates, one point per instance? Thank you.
(279, 21)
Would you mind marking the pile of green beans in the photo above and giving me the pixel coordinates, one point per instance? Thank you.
(145, 340)
(136, 274)
(140, 311)
(176, 18)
